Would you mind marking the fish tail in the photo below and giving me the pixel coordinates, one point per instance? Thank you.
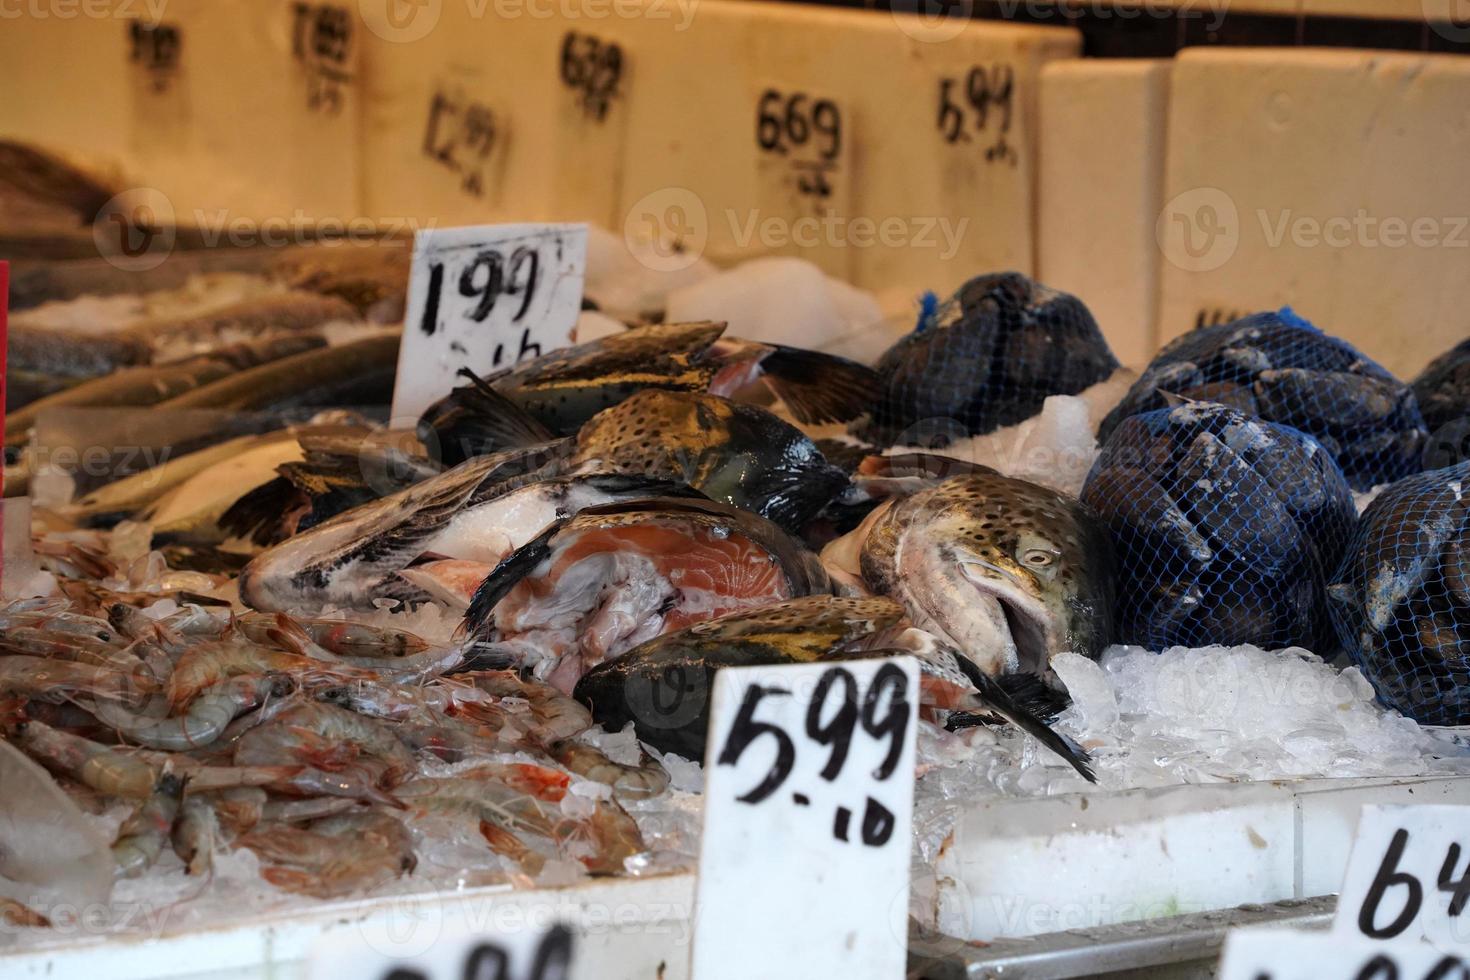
(482, 417)
(504, 577)
(268, 514)
(817, 387)
(997, 698)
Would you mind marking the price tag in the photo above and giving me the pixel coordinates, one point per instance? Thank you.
(1408, 876)
(154, 48)
(485, 297)
(977, 110)
(591, 123)
(809, 788)
(377, 953)
(804, 179)
(321, 46)
(1281, 954)
(466, 137)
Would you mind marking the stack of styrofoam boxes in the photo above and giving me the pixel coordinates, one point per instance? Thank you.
(851, 102)
(1102, 162)
(1327, 180)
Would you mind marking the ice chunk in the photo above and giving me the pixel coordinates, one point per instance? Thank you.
(779, 300)
(1092, 696)
(625, 277)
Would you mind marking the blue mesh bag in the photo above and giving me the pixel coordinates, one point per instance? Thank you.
(1443, 392)
(1225, 528)
(986, 358)
(1401, 598)
(1281, 368)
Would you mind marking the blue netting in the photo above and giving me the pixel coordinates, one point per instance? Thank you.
(1401, 598)
(1281, 368)
(1443, 391)
(1225, 528)
(985, 358)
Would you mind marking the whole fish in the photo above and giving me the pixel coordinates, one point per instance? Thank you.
(1400, 600)
(557, 393)
(477, 512)
(592, 586)
(65, 353)
(1009, 572)
(663, 686)
(1281, 368)
(987, 357)
(151, 384)
(355, 373)
(288, 312)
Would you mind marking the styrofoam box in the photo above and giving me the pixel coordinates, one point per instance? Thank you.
(258, 118)
(1327, 180)
(67, 78)
(1101, 164)
(695, 150)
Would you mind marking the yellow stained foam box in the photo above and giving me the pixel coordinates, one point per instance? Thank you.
(895, 151)
(1101, 166)
(68, 76)
(1325, 179)
(248, 109)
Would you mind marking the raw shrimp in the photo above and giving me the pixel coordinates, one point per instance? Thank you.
(556, 715)
(628, 782)
(143, 835)
(342, 638)
(338, 855)
(338, 753)
(43, 640)
(40, 678)
(105, 770)
(194, 834)
(206, 718)
(16, 914)
(209, 663)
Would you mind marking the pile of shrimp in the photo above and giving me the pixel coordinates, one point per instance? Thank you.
(332, 750)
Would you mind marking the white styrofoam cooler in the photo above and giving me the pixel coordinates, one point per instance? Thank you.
(1012, 868)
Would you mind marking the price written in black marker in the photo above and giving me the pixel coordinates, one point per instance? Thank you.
(805, 130)
(593, 69)
(461, 135)
(833, 717)
(1270, 954)
(979, 106)
(321, 43)
(468, 955)
(1409, 875)
(155, 49)
(485, 297)
(815, 760)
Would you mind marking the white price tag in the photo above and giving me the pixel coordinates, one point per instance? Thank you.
(485, 297)
(809, 791)
(1408, 876)
(1281, 954)
(375, 952)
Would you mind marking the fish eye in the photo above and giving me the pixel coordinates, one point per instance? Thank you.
(1037, 558)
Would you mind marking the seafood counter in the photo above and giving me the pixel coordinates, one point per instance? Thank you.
(293, 650)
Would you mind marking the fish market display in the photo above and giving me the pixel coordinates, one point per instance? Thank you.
(1007, 571)
(558, 392)
(592, 586)
(985, 358)
(1283, 369)
(1225, 528)
(275, 652)
(1401, 598)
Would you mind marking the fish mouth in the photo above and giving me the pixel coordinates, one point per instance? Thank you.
(1025, 615)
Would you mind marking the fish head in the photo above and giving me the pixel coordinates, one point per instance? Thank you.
(1012, 573)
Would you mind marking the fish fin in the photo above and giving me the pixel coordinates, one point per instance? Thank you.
(624, 483)
(484, 419)
(515, 566)
(485, 656)
(817, 387)
(1033, 694)
(268, 514)
(996, 697)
